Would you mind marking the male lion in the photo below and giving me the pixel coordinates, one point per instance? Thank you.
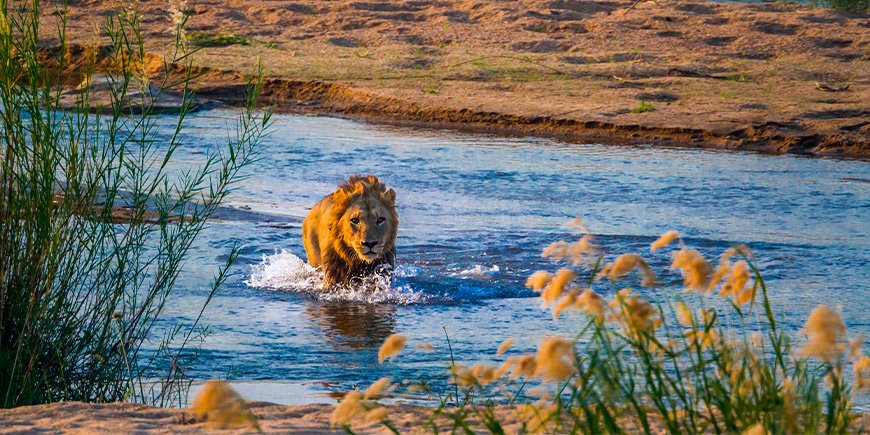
(352, 231)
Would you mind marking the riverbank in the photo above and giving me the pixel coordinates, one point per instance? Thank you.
(83, 418)
(77, 417)
(778, 78)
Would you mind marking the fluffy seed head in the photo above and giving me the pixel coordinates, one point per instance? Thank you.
(222, 407)
(505, 345)
(557, 285)
(737, 279)
(377, 387)
(524, 366)
(628, 262)
(350, 407)
(826, 332)
(635, 313)
(664, 240)
(566, 302)
(694, 268)
(862, 373)
(592, 304)
(376, 415)
(391, 347)
(555, 359)
(539, 280)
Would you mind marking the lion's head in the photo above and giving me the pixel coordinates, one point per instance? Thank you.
(365, 219)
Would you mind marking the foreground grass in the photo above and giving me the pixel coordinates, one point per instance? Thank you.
(79, 294)
(714, 359)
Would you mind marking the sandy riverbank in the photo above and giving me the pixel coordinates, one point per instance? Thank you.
(81, 418)
(771, 77)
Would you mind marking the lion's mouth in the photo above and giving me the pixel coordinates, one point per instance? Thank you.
(368, 254)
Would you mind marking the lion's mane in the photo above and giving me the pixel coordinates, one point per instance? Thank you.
(326, 240)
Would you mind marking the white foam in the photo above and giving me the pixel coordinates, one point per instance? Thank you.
(478, 271)
(284, 271)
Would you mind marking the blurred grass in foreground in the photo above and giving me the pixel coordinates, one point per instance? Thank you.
(714, 359)
(79, 293)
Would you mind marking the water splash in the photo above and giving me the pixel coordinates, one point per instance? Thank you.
(478, 272)
(284, 271)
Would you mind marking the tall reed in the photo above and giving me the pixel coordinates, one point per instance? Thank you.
(712, 358)
(94, 229)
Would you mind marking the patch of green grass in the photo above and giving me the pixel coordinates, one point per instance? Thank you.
(434, 90)
(216, 40)
(844, 5)
(643, 107)
(740, 78)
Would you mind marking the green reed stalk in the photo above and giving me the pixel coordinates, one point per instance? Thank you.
(80, 293)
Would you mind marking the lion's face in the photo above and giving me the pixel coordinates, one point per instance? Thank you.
(368, 224)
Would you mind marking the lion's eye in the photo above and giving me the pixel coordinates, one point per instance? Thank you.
(354, 221)
(381, 220)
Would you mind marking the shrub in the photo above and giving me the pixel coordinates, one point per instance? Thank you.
(79, 292)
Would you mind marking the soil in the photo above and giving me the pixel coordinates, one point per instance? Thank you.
(771, 77)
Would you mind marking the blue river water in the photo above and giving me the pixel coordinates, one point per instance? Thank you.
(476, 211)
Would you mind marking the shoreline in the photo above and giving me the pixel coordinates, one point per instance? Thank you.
(757, 77)
(328, 99)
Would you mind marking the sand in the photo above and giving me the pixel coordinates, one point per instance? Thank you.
(84, 418)
(771, 77)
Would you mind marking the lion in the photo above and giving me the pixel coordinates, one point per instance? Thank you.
(352, 231)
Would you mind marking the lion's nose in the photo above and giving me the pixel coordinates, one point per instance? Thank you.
(370, 245)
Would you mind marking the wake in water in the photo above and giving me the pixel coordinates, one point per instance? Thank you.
(286, 272)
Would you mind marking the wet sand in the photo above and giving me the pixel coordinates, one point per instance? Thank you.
(770, 77)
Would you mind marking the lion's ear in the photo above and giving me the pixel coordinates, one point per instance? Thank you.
(339, 196)
(391, 196)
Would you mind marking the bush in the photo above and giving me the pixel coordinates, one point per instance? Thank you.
(79, 292)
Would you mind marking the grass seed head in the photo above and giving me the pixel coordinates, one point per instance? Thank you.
(694, 268)
(377, 387)
(222, 407)
(664, 240)
(556, 287)
(862, 373)
(504, 346)
(555, 359)
(391, 347)
(539, 280)
(826, 332)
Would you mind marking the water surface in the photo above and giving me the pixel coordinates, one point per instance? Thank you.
(475, 213)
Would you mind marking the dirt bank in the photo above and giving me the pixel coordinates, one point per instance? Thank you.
(775, 78)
